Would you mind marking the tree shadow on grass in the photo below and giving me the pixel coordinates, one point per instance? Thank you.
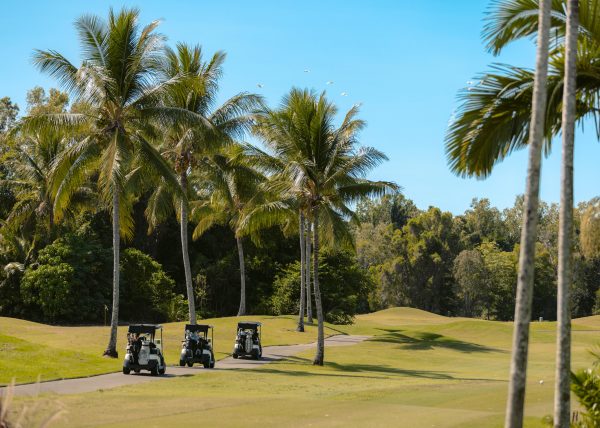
(360, 370)
(423, 341)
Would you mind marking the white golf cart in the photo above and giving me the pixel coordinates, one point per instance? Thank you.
(144, 350)
(196, 347)
(247, 341)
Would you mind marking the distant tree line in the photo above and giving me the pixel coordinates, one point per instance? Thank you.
(467, 264)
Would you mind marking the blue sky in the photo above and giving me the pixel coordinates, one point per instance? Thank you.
(403, 60)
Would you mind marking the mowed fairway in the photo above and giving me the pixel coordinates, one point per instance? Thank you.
(418, 370)
(29, 350)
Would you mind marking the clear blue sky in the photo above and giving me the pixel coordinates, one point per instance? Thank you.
(403, 60)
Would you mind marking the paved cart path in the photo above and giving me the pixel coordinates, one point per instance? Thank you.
(113, 380)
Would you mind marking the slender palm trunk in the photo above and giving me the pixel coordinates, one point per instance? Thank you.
(562, 402)
(309, 314)
(240, 247)
(518, 368)
(320, 356)
(185, 252)
(302, 274)
(111, 349)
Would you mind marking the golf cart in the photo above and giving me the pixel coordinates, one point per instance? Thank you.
(144, 350)
(247, 341)
(197, 347)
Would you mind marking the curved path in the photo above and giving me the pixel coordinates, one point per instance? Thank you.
(113, 380)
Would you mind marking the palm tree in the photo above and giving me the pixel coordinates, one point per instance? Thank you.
(518, 369)
(494, 117)
(119, 83)
(309, 313)
(31, 163)
(493, 121)
(31, 154)
(321, 168)
(229, 187)
(185, 143)
(303, 236)
(562, 392)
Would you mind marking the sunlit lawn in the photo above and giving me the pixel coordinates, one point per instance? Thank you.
(418, 370)
(30, 349)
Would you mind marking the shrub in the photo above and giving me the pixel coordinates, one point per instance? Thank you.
(344, 285)
(70, 281)
(585, 384)
(146, 290)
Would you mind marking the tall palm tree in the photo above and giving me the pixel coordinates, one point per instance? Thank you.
(322, 168)
(562, 392)
(31, 156)
(31, 163)
(518, 369)
(186, 143)
(302, 234)
(119, 83)
(494, 119)
(308, 251)
(229, 187)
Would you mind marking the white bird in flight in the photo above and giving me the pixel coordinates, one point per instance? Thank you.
(260, 85)
(330, 82)
(307, 70)
(344, 94)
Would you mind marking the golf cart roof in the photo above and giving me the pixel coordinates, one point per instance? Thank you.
(249, 325)
(144, 328)
(198, 327)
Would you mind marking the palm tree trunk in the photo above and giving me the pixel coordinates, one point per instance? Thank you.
(518, 368)
(185, 252)
(562, 402)
(111, 349)
(309, 313)
(302, 274)
(240, 247)
(320, 356)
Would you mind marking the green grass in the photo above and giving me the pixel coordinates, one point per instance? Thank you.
(418, 370)
(29, 350)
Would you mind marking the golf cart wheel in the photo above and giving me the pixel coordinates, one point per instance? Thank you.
(235, 356)
(255, 355)
(206, 365)
(162, 371)
(212, 364)
(190, 363)
(126, 370)
(154, 371)
(181, 363)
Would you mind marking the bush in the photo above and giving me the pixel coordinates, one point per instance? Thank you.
(70, 281)
(585, 384)
(344, 285)
(146, 290)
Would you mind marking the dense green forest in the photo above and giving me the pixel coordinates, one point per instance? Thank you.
(130, 194)
(401, 255)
